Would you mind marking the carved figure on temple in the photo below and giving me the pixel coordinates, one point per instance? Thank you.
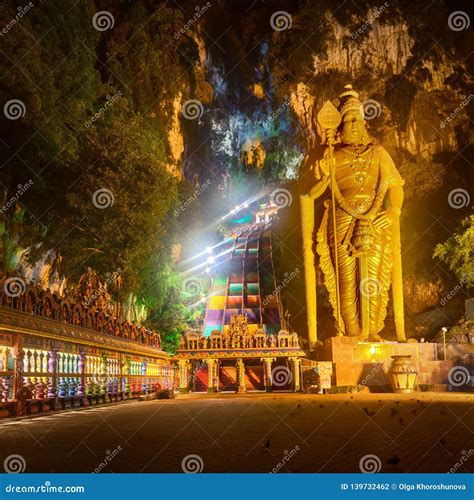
(295, 339)
(93, 293)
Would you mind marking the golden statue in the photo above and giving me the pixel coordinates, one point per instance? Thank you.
(363, 213)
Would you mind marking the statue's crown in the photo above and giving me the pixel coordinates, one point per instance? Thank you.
(349, 100)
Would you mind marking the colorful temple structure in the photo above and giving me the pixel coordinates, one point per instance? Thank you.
(244, 343)
(244, 283)
(56, 352)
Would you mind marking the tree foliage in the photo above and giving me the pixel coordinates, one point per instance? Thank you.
(422, 177)
(93, 141)
(458, 252)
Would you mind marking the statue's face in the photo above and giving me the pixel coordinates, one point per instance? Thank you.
(353, 128)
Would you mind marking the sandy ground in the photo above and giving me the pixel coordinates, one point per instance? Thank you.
(253, 433)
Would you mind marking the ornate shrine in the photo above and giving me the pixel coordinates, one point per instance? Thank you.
(243, 344)
(55, 350)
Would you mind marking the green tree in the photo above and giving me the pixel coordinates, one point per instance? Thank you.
(458, 252)
(49, 83)
(118, 216)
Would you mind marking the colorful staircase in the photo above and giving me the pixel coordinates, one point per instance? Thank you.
(243, 282)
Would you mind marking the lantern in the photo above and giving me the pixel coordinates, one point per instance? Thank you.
(402, 374)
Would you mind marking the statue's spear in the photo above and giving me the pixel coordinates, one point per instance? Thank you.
(329, 119)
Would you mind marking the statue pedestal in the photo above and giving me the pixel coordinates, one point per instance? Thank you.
(366, 363)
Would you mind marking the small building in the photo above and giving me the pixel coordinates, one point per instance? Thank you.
(244, 343)
(239, 359)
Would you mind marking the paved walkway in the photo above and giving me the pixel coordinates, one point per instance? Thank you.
(252, 433)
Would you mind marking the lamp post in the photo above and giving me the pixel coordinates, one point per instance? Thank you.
(444, 330)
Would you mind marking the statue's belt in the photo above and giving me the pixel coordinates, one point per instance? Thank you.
(354, 228)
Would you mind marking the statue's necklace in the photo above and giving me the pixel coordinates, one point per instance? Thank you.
(358, 165)
(379, 197)
(355, 150)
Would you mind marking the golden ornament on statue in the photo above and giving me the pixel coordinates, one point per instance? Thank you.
(329, 117)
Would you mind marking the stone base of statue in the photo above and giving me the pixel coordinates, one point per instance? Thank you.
(357, 363)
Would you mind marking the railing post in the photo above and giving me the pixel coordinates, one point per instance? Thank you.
(103, 376)
(6, 381)
(120, 376)
(127, 376)
(19, 355)
(82, 374)
(5, 389)
(52, 369)
(144, 380)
